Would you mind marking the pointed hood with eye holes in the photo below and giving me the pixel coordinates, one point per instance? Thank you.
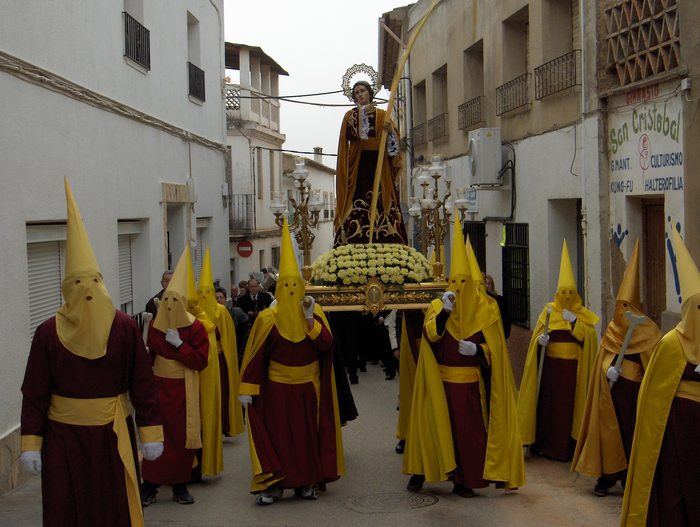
(172, 311)
(688, 328)
(84, 321)
(205, 287)
(289, 292)
(645, 335)
(471, 312)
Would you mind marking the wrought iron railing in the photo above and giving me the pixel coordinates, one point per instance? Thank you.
(513, 95)
(196, 81)
(470, 113)
(233, 98)
(557, 75)
(516, 273)
(137, 41)
(418, 135)
(242, 213)
(437, 127)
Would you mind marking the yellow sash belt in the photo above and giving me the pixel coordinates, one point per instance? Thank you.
(689, 390)
(100, 412)
(284, 374)
(464, 375)
(563, 350)
(172, 369)
(632, 371)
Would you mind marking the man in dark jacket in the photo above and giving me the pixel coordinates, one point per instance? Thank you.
(255, 300)
(502, 304)
(151, 306)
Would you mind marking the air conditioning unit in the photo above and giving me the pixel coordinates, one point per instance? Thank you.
(486, 158)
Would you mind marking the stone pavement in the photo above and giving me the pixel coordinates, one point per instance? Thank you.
(371, 494)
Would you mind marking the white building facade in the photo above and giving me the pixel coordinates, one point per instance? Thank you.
(126, 99)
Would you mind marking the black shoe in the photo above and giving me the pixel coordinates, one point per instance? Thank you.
(363, 369)
(354, 380)
(181, 495)
(390, 377)
(464, 492)
(149, 491)
(400, 446)
(603, 486)
(415, 483)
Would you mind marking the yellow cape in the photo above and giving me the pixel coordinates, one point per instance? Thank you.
(429, 447)
(262, 326)
(407, 375)
(224, 323)
(527, 400)
(656, 394)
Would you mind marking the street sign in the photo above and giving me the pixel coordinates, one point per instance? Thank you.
(244, 248)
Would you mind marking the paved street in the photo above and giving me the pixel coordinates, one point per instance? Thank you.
(371, 494)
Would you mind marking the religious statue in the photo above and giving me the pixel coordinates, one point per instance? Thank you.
(358, 153)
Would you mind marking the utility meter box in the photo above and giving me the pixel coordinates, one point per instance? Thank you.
(486, 158)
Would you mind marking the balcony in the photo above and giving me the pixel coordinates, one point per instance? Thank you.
(242, 214)
(557, 75)
(251, 105)
(470, 113)
(418, 135)
(513, 95)
(437, 127)
(196, 82)
(137, 41)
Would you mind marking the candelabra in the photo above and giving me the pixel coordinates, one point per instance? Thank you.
(304, 213)
(435, 211)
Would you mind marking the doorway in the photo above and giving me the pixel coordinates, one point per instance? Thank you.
(654, 257)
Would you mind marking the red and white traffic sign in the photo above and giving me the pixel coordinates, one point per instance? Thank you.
(245, 248)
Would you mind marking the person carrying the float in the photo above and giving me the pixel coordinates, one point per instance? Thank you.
(231, 411)
(85, 366)
(463, 424)
(179, 349)
(553, 390)
(607, 427)
(663, 478)
(288, 386)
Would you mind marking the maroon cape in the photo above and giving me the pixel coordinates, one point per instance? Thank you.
(294, 434)
(175, 464)
(82, 475)
(469, 433)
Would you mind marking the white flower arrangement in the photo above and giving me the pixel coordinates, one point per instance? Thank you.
(355, 264)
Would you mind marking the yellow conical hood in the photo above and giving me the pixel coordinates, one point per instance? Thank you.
(289, 292)
(205, 288)
(629, 288)
(567, 280)
(474, 268)
(459, 265)
(689, 326)
(172, 311)
(84, 321)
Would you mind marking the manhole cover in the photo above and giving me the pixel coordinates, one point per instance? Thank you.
(390, 502)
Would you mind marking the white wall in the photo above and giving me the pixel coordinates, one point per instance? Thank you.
(115, 165)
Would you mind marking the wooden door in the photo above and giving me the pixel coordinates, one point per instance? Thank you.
(654, 256)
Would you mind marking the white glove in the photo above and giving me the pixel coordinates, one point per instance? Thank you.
(543, 339)
(697, 369)
(568, 316)
(245, 399)
(31, 461)
(447, 301)
(273, 303)
(467, 348)
(308, 310)
(612, 374)
(152, 450)
(172, 337)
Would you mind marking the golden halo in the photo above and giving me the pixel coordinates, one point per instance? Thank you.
(365, 71)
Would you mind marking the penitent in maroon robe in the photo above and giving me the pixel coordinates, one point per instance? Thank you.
(555, 406)
(175, 464)
(293, 437)
(82, 476)
(469, 433)
(675, 493)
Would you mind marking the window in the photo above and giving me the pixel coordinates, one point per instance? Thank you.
(514, 93)
(126, 289)
(275, 251)
(195, 73)
(560, 69)
(45, 270)
(438, 125)
(418, 135)
(476, 230)
(326, 206)
(260, 171)
(516, 273)
(261, 258)
(199, 249)
(273, 174)
(137, 39)
(470, 113)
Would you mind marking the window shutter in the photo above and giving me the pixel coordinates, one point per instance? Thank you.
(44, 265)
(198, 253)
(125, 271)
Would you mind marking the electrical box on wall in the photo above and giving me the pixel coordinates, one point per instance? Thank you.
(486, 158)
